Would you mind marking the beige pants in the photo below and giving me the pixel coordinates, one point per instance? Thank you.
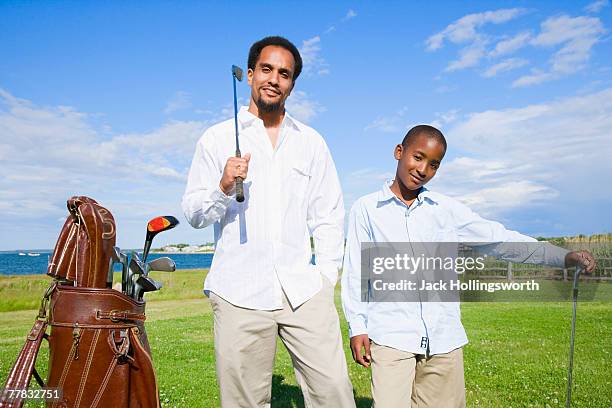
(245, 346)
(400, 378)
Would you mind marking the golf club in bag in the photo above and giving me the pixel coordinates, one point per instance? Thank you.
(237, 75)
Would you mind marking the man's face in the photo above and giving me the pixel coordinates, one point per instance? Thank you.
(419, 161)
(272, 79)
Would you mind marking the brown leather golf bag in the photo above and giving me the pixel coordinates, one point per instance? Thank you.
(99, 355)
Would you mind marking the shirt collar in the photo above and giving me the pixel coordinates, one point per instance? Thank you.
(246, 119)
(385, 194)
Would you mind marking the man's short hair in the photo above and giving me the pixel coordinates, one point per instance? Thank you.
(256, 48)
(427, 130)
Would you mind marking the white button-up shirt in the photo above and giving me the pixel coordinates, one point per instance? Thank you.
(291, 192)
(432, 217)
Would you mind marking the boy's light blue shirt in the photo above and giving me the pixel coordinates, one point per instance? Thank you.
(432, 217)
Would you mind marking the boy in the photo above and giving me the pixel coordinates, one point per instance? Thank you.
(415, 348)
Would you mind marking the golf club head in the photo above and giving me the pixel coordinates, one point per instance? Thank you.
(237, 72)
(116, 254)
(154, 227)
(146, 284)
(136, 268)
(163, 264)
(114, 259)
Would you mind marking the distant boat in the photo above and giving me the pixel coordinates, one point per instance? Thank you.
(21, 254)
(33, 254)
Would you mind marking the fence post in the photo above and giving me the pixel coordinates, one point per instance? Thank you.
(564, 274)
(509, 271)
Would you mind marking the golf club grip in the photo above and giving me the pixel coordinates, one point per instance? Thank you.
(239, 190)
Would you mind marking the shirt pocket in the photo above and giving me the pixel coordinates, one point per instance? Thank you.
(299, 178)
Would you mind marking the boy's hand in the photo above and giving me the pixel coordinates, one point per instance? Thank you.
(234, 167)
(359, 342)
(582, 259)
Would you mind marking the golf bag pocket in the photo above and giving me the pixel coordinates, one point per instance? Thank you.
(99, 354)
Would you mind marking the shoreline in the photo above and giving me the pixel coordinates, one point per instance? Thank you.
(181, 252)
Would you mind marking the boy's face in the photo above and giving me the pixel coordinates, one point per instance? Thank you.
(418, 162)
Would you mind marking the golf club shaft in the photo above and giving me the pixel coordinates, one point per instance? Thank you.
(239, 181)
(147, 248)
(568, 399)
(124, 273)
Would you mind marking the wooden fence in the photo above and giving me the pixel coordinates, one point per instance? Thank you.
(511, 271)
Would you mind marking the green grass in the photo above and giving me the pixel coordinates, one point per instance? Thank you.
(517, 355)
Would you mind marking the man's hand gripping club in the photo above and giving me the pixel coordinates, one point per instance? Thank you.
(234, 167)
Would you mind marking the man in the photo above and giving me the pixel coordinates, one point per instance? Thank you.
(261, 283)
(415, 348)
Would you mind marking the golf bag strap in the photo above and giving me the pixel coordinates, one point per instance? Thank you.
(21, 373)
(120, 315)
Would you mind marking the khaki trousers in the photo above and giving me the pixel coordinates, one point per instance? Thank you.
(401, 379)
(245, 346)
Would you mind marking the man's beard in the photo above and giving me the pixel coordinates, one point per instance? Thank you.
(268, 107)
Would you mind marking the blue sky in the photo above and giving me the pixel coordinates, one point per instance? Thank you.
(107, 99)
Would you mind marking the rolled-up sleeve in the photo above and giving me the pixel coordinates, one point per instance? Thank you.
(203, 202)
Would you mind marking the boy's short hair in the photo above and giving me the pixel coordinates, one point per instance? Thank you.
(278, 41)
(428, 130)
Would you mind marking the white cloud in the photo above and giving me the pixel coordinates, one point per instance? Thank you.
(444, 118)
(179, 101)
(397, 122)
(313, 62)
(571, 40)
(504, 66)
(562, 29)
(597, 6)
(464, 30)
(468, 57)
(536, 77)
(520, 157)
(509, 195)
(369, 174)
(577, 35)
(510, 45)
(51, 153)
(302, 107)
(349, 15)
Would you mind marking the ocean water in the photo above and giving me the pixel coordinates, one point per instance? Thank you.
(11, 263)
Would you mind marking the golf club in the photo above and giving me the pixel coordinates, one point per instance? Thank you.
(568, 401)
(146, 284)
(136, 268)
(124, 272)
(237, 75)
(154, 227)
(115, 258)
(163, 264)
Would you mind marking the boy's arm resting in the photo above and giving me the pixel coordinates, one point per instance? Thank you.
(325, 214)
(203, 202)
(355, 311)
(513, 246)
